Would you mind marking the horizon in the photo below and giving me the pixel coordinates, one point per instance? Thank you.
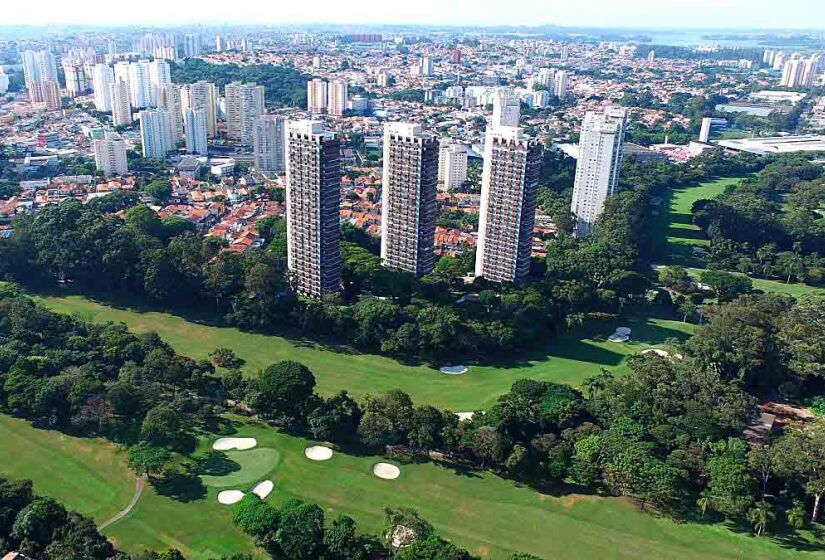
(732, 15)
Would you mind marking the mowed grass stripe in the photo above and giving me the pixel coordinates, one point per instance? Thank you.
(570, 358)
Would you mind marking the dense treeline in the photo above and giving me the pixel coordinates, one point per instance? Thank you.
(770, 226)
(95, 250)
(284, 85)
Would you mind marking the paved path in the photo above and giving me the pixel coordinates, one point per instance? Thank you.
(139, 485)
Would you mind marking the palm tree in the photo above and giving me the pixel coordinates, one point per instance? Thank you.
(761, 515)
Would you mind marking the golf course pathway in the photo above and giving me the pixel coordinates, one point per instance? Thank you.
(139, 485)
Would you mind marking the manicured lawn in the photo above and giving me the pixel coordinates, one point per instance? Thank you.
(482, 512)
(682, 235)
(89, 475)
(570, 359)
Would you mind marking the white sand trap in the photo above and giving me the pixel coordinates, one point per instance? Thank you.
(263, 489)
(454, 370)
(386, 471)
(318, 453)
(239, 443)
(228, 497)
(658, 351)
(465, 415)
(618, 338)
(623, 331)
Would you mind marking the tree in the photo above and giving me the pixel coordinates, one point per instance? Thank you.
(148, 459)
(488, 445)
(730, 487)
(159, 189)
(342, 542)
(800, 456)
(225, 358)
(162, 426)
(285, 389)
(761, 516)
(300, 535)
(255, 517)
(726, 285)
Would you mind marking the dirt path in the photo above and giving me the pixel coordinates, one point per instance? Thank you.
(140, 483)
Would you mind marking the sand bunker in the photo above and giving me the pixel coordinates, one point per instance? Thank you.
(657, 351)
(239, 443)
(318, 453)
(228, 497)
(465, 415)
(454, 370)
(623, 331)
(263, 489)
(386, 471)
(618, 338)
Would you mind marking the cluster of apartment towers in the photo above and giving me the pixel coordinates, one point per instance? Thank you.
(512, 165)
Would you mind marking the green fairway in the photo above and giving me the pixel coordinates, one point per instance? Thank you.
(253, 466)
(570, 358)
(89, 475)
(489, 515)
(682, 235)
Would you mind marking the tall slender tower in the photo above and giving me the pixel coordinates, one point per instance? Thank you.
(408, 207)
(156, 133)
(598, 166)
(202, 95)
(102, 76)
(140, 84)
(317, 96)
(121, 103)
(244, 103)
(313, 193)
(337, 105)
(268, 143)
(195, 126)
(169, 98)
(512, 163)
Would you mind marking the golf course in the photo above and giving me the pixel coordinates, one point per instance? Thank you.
(682, 236)
(569, 358)
(488, 515)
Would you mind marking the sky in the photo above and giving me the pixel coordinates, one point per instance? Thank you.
(700, 14)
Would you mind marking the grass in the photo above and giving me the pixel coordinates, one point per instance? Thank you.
(682, 235)
(488, 515)
(90, 475)
(570, 358)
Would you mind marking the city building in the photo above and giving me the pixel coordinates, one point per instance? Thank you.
(76, 81)
(561, 84)
(47, 93)
(317, 97)
(453, 166)
(337, 104)
(194, 123)
(244, 103)
(269, 142)
(39, 66)
(156, 133)
(121, 103)
(140, 84)
(102, 77)
(169, 98)
(507, 214)
(313, 193)
(408, 206)
(110, 155)
(202, 95)
(598, 166)
(159, 76)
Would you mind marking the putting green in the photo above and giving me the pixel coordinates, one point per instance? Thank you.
(252, 466)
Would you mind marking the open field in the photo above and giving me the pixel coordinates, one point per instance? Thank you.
(570, 358)
(682, 235)
(489, 515)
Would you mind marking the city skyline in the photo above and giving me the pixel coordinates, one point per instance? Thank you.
(635, 14)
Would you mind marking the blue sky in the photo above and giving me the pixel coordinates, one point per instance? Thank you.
(764, 14)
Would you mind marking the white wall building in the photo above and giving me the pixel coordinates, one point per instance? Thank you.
(269, 143)
(121, 102)
(244, 103)
(194, 122)
(156, 133)
(338, 93)
(453, 166)
(317, 96)
(102, 77)
(598, 166)
(110, 155)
